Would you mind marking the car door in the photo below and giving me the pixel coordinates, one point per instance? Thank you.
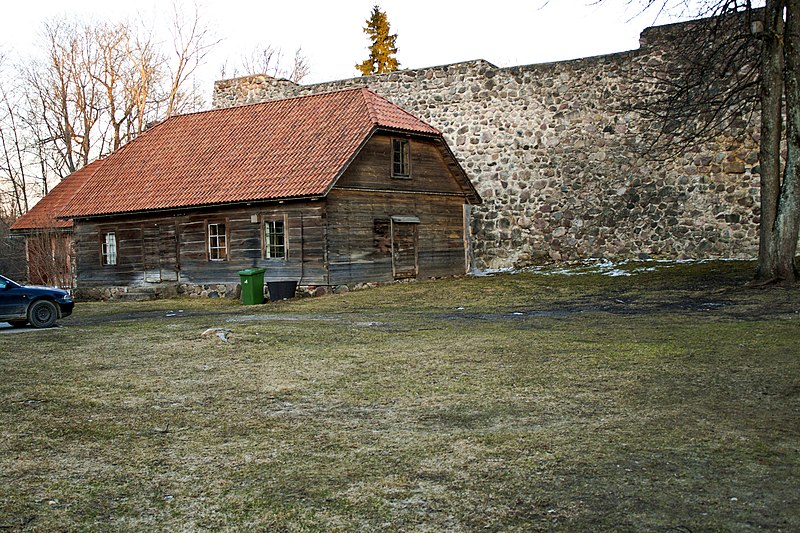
(12, 300)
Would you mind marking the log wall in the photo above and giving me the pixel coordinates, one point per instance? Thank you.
(174, 248)
(358, 250)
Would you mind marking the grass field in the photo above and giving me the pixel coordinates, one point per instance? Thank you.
(662, 401)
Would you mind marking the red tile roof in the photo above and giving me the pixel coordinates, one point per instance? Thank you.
(43, 214)
(291, 148)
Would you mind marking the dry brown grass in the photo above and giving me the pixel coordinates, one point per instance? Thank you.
(662, 401)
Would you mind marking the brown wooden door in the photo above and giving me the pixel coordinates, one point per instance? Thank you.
(160, 253)
(404, 250)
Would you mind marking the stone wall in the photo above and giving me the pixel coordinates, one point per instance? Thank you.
(559, 162)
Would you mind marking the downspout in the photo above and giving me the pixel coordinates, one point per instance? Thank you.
(302, 249)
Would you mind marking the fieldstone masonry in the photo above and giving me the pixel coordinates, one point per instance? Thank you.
(559, 164)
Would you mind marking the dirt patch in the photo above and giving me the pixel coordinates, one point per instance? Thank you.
(636, 306)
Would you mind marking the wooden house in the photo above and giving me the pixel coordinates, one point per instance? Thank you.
(328, 189)
(48, 240)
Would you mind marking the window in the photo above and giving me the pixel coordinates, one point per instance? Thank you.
(109, 248)
(217, 242)
(274, 239)
(401, 158)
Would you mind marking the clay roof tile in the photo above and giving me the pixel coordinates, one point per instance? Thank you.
(291, 148)
(43, 215)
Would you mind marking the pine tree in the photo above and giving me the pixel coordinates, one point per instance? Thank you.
(383, 48)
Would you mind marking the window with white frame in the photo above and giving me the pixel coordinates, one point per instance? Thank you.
(275, 239)
(108, 249)
(217, 242)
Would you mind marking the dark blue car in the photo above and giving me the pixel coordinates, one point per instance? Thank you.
(38, 306)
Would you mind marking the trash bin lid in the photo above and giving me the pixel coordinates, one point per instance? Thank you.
(252, 271)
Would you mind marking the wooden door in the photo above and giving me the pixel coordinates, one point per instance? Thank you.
(159, 247)
(404, 250)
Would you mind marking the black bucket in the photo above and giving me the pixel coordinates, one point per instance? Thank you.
(281, 290)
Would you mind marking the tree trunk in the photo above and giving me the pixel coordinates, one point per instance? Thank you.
(780, 191)
(787, 223)
(770, 146)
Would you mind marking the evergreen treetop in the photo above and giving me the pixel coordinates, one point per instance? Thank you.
(382, 50)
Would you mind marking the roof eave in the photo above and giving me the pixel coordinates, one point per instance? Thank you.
(33, 231)
(196, 207)
(471, 193)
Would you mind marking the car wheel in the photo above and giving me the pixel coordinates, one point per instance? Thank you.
(42, 314)
(17, 323)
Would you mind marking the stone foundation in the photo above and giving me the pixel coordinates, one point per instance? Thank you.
(126, 293)
(214, 290)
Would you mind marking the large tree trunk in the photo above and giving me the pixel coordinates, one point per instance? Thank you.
(780, 204)
(771, 126)
(787, 223)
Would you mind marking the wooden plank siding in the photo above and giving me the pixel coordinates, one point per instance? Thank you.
(367, 192)
(370, 227)
(372, 167)
(355, 253)
(170, 248)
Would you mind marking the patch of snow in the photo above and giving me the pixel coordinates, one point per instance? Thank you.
(603, 267)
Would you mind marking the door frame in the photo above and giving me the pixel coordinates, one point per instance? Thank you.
(413, 222)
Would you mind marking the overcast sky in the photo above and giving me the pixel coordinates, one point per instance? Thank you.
(430, 32)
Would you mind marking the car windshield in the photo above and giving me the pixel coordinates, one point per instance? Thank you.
(5, 282)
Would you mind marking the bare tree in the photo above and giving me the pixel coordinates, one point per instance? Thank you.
(780, 190)
(113, 71)
(268, 60)
(141, 88)
(192, 40)
(65, 94)
(742, 64)
(13, 170)
(49, 258)
(94, 86)
(12, 251)
(97, 85)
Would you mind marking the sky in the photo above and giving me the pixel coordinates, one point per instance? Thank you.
(330, 33)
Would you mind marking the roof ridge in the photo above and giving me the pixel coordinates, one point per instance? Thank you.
(396, 107)
(371, 111)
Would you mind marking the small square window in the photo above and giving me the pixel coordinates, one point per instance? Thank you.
(217, 242)
(274, 239)
(109, 248)
(401, 158)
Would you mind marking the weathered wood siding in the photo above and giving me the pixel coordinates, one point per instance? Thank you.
(358, 250)
(372, 168)
(174, 248)
(371, 227)
(362, 239)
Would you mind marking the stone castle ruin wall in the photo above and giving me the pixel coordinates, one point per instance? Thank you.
(559, 165)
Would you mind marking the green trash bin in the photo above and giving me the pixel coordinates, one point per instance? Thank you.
(252, 285)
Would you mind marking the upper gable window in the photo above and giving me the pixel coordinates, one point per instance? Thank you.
(401, 158)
